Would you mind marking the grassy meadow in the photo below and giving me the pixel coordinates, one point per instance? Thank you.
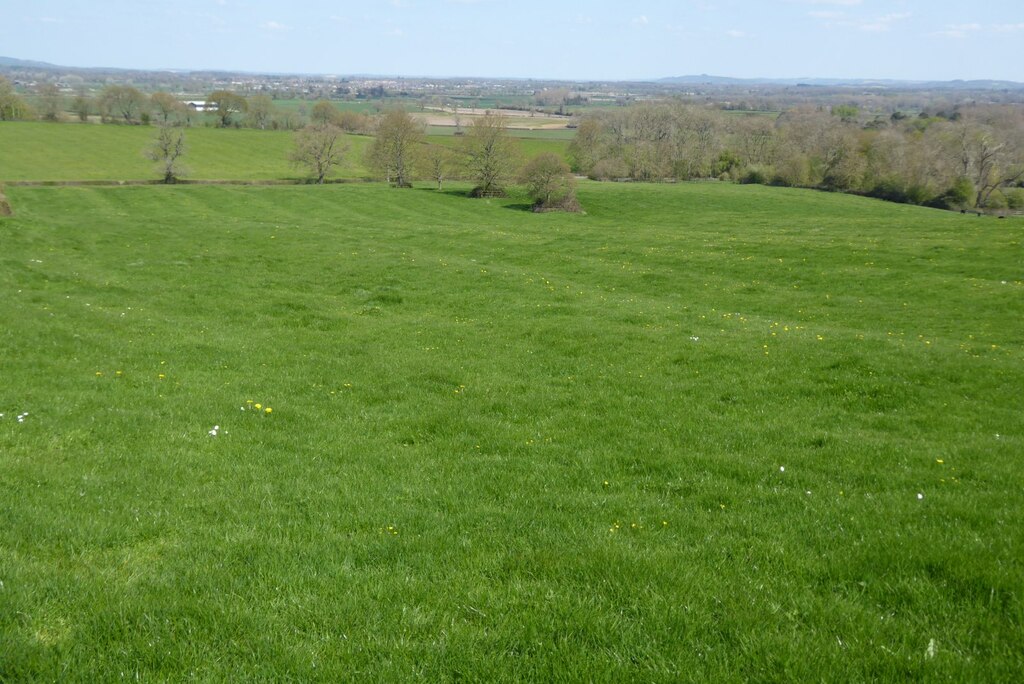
(702, 432)
(32, 151)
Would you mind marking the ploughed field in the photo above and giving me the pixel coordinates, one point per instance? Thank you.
(348, 432)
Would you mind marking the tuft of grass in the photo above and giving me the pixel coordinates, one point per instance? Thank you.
(703, 431)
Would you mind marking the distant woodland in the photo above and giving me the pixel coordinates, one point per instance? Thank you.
(971, 156)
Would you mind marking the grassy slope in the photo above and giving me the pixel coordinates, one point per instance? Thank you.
(574, 424)
(54, 152)
(35, 151)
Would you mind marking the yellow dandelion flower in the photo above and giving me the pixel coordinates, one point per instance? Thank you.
(268, 410)
(259, 406)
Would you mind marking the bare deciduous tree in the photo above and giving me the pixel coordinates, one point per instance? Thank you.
(167, 150)
(436, 163)
(491, 156)
(391, 154)
(319, 149)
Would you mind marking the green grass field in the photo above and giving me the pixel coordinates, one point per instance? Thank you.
(702, 432)
(76, 152)
(559, 134)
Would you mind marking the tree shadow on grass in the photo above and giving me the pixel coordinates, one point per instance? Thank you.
(445, 191)
(520, 206)
(466, 194)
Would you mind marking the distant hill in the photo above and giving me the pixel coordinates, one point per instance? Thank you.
(699, 79)
(26, 63)
(706, 79)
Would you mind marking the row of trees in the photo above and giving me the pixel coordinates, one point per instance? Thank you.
(486, 155)
(125, 104)
(973, 156)
(400, 153)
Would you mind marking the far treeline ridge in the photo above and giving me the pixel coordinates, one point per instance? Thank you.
(970, 156)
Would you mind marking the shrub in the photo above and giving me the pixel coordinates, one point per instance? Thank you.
(888, 190)
(608, 169)
(549, 183)
(757, 175)
(1015, 199)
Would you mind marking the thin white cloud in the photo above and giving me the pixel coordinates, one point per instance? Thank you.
(840, 19)
(735, 34)
(964, 30)
(884, 23)
(274, 26)
(642, 20)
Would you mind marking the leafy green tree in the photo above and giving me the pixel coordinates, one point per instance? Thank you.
(12, 107)
(261, 111)
(586, 148)
(847, 113)
(51, 102)
(166, 107)
(122, 103)
(324, 112)
(227, 105)
(81, 106)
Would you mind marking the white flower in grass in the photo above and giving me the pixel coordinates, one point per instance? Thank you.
(213, 432)
(782, 469)
(920, 496)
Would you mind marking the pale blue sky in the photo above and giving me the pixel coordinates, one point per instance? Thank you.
(601, 39)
